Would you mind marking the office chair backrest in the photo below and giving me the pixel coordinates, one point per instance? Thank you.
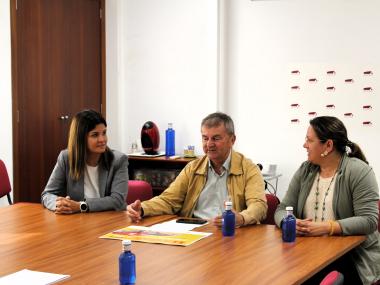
(5, 185)
(272, 201)
(138, 190)
(333, 278)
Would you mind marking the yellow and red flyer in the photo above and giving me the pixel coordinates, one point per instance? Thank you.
(146, 234)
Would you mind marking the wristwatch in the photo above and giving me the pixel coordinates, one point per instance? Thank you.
(83, 207)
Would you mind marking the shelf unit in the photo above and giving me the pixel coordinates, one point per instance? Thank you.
(158, 171)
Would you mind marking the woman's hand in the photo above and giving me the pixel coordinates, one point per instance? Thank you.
(307, 227)
(64, 205)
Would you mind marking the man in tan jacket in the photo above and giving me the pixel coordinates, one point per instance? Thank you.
(205, 183)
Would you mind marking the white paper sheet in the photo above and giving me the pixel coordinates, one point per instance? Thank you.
(173, 226)
(30, 277)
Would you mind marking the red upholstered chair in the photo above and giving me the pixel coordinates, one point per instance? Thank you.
(333, 278)
(272, 201)
(138, 190)
(5, 185)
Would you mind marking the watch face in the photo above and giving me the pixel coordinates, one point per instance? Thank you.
(83, 206)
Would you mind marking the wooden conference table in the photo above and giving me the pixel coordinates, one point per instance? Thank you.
(34, 238)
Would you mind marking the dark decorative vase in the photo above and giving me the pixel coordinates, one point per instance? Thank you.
(150, 138)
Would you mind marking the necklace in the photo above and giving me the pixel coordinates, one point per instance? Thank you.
(324, 199)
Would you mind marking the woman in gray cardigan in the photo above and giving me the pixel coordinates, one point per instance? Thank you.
(88, 176)
(335, 193)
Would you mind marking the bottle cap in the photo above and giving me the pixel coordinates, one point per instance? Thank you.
(289, 208)
(170, 125)
(126, 242)
(228, 205)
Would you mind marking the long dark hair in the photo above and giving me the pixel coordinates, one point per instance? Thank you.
(82, 123)
(328, 127)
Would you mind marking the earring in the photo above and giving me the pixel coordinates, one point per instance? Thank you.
(325, 153)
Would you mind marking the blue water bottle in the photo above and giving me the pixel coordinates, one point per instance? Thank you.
(288, 226)
(228, 222)
(127, 265)
(170, 141)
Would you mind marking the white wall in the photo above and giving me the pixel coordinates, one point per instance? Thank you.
(164, 68)
(267, 39)
(171, 54)
(5, 91)
(113, 75)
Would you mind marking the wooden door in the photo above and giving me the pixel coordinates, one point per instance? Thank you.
(57, 71)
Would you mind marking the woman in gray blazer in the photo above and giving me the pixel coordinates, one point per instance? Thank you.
(88, 176)
(335, 193)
